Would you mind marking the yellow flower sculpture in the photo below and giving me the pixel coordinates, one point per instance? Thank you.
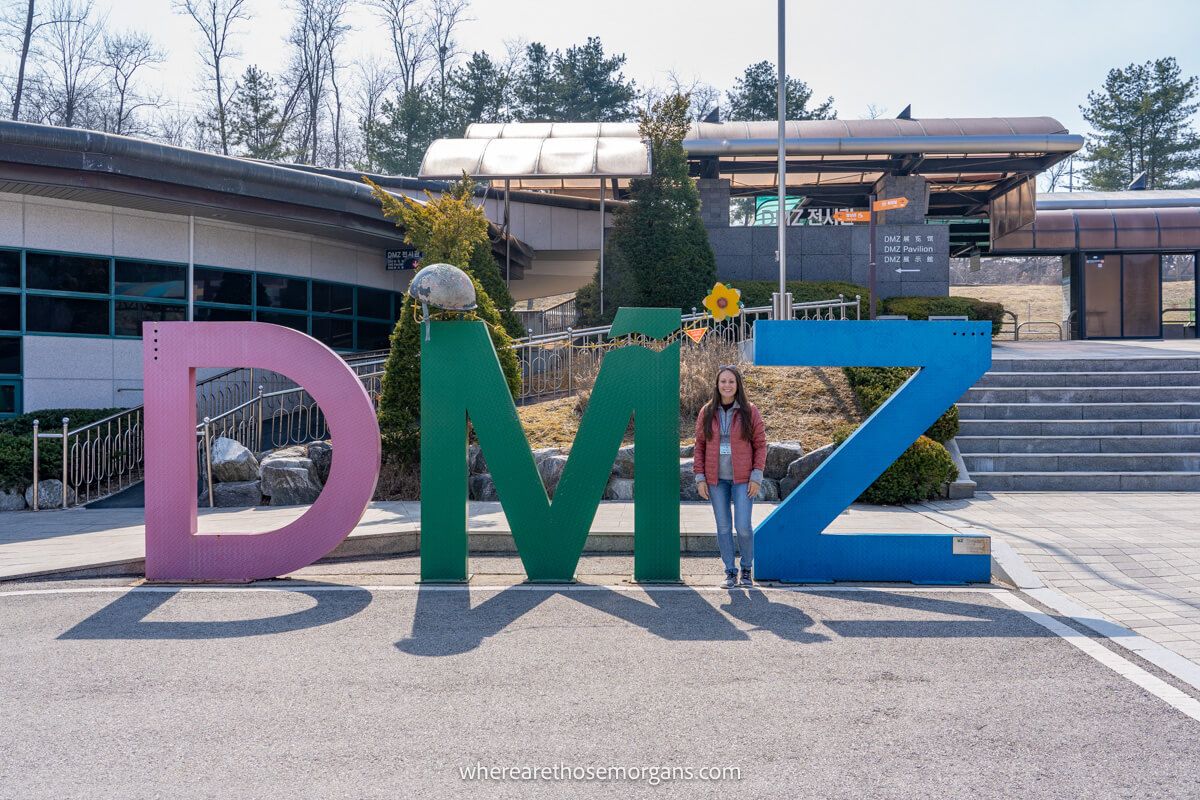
(723, 301)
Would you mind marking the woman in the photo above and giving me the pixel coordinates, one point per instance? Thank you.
(730, 454)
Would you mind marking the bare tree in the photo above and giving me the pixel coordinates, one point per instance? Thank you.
(318, 30)
(1055, 175)
(444, 19)
(216, 20)
(23, 27)
(71, 70)
(375, 80)
(875, 111)
(412, 41)
(123, 55)
(702, 97)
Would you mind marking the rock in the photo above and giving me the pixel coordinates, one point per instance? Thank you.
(232, 462)
(768, 491)
(550, 469)
(12, 500)
(779, 456)
(292, 451)
(237, 494)
(482, 488)
(475, 463)
(802, 467)
(50, 494)
(619, 489)
(289, 480)
(623, 466)
(687, 450)
(687, 480)
(543, 453)
(321, 454)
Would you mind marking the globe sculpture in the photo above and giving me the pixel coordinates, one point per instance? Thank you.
(443, 286)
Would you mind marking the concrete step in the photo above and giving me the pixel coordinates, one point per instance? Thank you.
(1081, 411)
(1036, 379)
(1094, 364)
(1084, 394)
(1077, 444)
(1087, 481)
(1079, 427)
(979, 463)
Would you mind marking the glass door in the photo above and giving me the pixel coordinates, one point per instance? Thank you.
(1122, 296)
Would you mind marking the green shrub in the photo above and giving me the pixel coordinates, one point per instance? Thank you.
(918, 474)
(874, 385)
(758, 293)
(926, 307)
(16, 443)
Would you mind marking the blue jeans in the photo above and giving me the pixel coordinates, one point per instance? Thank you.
(721, 496)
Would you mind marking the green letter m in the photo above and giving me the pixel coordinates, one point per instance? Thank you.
(461, 378)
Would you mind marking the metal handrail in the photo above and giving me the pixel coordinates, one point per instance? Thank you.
(1040, 322)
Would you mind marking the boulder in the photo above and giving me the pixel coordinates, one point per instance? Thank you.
(237, 494)
(12, 500)
(779, 456)
(687, 450)
(232, 462)
(50, 494)
(475, 463)
(292, 451)
(619, 489)
(623, 466)
(321, 454)
(687, 481)
(769, 491)
(289, 480)
(482, 488)
(543, 453)
(802, 467)
(550, 469)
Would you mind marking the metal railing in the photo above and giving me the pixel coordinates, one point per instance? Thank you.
(98, 459)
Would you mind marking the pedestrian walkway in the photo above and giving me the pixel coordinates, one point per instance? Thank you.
(1133, 557)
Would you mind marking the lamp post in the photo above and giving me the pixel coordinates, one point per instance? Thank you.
(781, 217)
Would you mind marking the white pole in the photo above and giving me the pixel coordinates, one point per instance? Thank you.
(782, 216)
(602, 245)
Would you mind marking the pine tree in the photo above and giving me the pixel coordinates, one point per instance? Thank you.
(1141, 120)
(402, 132)
(479, 91)
(254, 121)
(536, 92)
(755, 97)
(657, 254)
(590, 85)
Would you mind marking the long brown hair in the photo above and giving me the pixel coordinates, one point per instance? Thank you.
(710, 408)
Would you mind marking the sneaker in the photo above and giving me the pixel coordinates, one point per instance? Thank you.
(730, 579)
(746, 579)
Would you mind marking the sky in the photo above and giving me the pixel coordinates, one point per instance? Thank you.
(964, 59)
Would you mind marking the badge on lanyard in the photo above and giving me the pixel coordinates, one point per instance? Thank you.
(726, 449)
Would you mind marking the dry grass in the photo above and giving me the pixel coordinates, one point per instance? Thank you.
(797, 403)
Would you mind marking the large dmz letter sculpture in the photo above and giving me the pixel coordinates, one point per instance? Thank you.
(790, 544)
(461, 378)
(172, 351)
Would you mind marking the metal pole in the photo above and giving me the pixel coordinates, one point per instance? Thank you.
(35, 465)
(191, 269)
(570, 365)
(782, 216)
(208, 462)
(64, 457)
(871, 235)
(258, 436)
(507, 239)
(602, 246)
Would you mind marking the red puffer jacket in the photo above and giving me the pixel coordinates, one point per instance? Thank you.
(747, 455)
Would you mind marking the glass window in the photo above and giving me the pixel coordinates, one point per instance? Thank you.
(337, 333)
(297, 321)
(374, 303)
(332, 298)
(207, 314)
(10, 312)
(66, 273)
(10, 268)
(8, 398)
(277, 291)
(10, 355)
(373, 335)
(221, 286)
(144, 279)
(66, 315)
(129, 315)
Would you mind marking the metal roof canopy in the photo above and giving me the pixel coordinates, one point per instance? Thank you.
(545, 160)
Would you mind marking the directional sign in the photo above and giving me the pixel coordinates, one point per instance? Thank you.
(898, 269)
(852, 216)
(890, 203)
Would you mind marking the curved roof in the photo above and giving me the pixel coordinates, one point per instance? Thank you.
(1143, 198)
(554, 157)
(1106, 230)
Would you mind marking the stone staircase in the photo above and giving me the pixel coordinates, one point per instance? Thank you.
(1085, 424)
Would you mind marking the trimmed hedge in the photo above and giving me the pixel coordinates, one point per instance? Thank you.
(918, 474)
(16, 443)
(926, 307)
(758, 293)
(873, 385)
